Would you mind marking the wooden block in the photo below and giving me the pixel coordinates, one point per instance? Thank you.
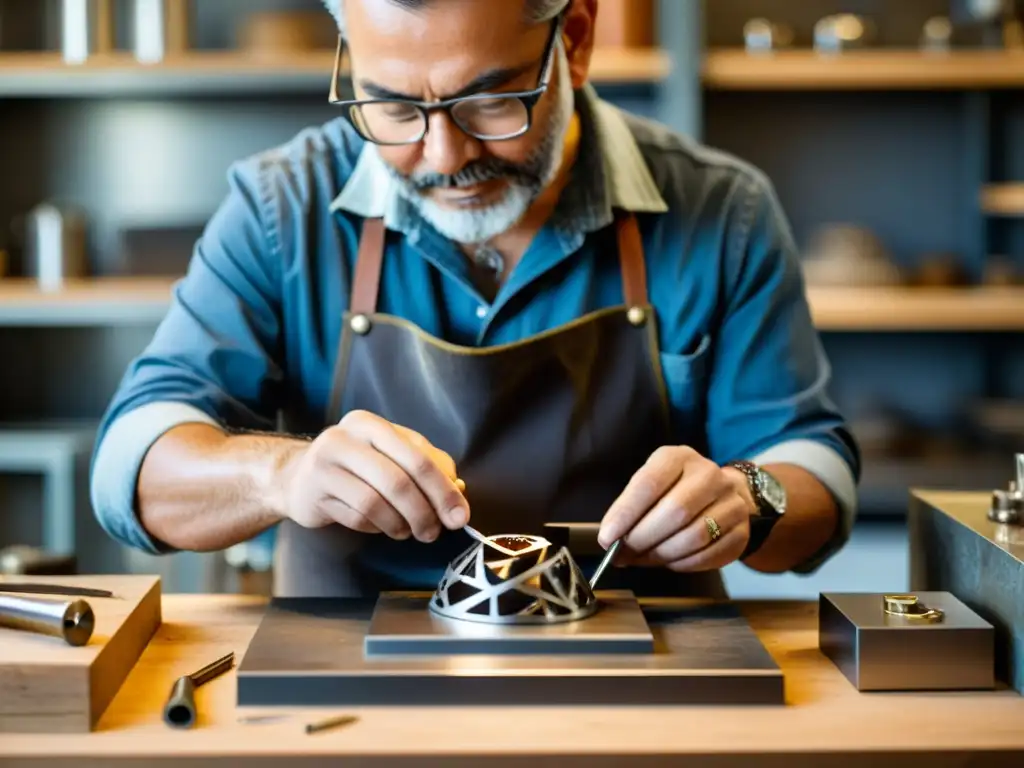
(47, 686)
(880, 652)
(404, 625)
(308, 652)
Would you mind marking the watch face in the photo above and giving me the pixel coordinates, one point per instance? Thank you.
(772, 491)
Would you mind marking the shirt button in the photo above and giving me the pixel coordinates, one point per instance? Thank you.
(481, 311)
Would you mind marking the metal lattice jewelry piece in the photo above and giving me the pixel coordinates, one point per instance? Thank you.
(514, 580)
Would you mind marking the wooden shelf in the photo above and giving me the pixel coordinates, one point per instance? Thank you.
(106, 301)
(33, 74)
(737, 70)
(112, 301)
(1003, 199)
(917, 309)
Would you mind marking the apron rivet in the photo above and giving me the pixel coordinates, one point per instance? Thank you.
(360, 324)
(636, 316)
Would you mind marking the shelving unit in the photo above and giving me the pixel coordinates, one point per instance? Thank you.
(923, 149)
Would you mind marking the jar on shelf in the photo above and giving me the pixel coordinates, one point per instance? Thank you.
(159, 28)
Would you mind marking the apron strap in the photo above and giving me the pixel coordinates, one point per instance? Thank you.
(631, 260)
(366, 281)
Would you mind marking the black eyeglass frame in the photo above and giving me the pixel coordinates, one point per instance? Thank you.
(528, 98)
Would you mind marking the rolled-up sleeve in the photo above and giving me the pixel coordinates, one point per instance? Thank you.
(213, 359)
(769, 397)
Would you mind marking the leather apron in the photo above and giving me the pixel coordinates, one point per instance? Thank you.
(545, 432)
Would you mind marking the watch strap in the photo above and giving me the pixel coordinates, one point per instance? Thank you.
(760, 527)
(761, 524)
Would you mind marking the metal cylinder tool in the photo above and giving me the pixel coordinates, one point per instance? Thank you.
(73, 621)
(180, 707)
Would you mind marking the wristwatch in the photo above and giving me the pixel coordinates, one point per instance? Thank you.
(769, 498)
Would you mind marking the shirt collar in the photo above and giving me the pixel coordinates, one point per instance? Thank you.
(610, 173)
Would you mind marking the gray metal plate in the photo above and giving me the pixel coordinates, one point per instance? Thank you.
(310, 652)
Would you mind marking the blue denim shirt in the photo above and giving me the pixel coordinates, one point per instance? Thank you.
(255, 322)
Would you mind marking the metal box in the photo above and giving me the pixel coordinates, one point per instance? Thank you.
(880, 652)
(955, 547)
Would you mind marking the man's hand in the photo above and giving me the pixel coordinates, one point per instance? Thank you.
(373, 476)
(662, 513)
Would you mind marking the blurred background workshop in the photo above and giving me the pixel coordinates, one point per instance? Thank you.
(893, 131)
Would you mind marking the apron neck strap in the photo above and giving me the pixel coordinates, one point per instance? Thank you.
(366, 281)
(631, 260)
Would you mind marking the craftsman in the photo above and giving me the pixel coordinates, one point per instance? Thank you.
(481, 271)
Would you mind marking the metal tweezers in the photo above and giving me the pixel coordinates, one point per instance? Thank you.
(53, 589)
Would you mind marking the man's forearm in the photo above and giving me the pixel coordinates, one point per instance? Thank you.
(811, 517)
(201, 489)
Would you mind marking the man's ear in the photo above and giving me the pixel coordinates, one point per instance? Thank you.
(578, 38)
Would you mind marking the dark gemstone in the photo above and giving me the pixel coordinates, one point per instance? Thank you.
(515, 543)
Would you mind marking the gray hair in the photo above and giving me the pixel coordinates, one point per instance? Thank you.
(537, 11)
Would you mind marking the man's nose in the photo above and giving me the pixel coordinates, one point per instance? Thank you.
(446, 147)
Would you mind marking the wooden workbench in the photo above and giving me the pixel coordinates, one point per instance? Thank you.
(826, 722)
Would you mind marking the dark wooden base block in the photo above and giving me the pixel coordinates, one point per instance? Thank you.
(311, 652)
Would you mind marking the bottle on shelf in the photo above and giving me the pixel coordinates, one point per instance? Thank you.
(86, 28)
(160, 28)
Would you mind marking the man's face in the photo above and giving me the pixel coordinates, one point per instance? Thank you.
(469, 189)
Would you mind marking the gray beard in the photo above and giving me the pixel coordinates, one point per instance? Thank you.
(526, 180)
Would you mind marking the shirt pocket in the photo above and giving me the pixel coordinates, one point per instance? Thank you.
(685, 377)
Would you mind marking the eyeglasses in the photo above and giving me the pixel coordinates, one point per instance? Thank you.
(484, 116)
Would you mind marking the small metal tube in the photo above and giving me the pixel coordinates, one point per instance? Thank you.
(180, 709)
(73, 621)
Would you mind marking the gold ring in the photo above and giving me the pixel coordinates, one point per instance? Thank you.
(713, 530)
(901, 604)
(908, 606)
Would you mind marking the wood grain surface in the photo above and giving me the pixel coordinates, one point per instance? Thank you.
(872, 68)
(47, 686)
(826, 721)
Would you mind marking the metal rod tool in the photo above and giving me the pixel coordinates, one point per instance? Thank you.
(72, 621)
(330, 723)
(605, 562)
(180, 709)
(31, 588)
